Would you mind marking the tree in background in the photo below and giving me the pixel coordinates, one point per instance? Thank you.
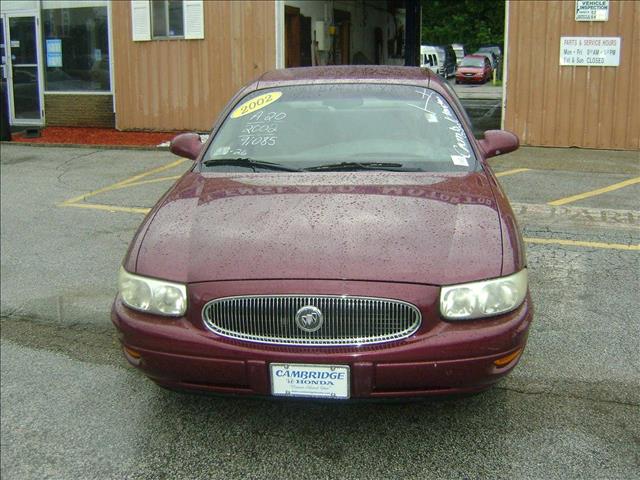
(469, 22)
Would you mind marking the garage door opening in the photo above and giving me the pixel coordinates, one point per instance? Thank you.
(428, 33)
(323, 32)
(454, 29)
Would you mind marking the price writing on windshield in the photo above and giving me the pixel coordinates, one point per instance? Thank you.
(261, 129)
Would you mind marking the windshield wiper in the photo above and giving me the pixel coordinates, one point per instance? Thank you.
(247, 162)
(394, 167)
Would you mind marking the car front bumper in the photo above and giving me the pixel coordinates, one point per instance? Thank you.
(465, 79)
(441, 358)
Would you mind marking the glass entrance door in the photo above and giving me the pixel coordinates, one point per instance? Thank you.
(22, 68)
(3, 53)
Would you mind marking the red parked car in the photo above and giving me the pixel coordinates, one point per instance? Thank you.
(474, 69)
(339, 235)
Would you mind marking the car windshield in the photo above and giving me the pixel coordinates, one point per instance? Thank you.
(372, 127)
(472, 62)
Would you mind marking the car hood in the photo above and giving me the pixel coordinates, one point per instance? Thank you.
(470, 69)
(399, 227)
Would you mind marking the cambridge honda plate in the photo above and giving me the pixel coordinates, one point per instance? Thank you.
(304, 380)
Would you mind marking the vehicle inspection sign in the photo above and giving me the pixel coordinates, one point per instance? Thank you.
(592, 10)
(590, 51)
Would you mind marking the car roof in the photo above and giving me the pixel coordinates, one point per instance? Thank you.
(347, 74)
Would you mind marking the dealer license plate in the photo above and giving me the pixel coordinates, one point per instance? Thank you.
(305, 380)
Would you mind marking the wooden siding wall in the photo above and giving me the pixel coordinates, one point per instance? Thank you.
(550, 105)
(184, 84)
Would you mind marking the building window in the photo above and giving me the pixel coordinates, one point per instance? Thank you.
(167, 18)
(76, 48)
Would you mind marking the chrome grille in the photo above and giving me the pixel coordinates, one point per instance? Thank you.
(347, 320)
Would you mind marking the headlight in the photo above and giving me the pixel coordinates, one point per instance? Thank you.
(151, 295)
(483, 299)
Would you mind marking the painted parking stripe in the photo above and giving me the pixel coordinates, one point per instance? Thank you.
(126, 181)
(108, 208)
(593, 193)
(545, 215)
(512, 172)
(154, 170)
(580, 243)
(146, 182)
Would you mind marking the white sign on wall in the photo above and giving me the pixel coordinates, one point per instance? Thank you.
(592, 10)
(590, 51)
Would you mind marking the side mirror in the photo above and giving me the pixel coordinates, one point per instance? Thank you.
(498, 142)
(187, 145)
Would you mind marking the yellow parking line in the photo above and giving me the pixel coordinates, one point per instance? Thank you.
(593, 193)
(109, 208)
(152, 171)
(126, 181)
(512, 172)
(145, 182)
(580, 243)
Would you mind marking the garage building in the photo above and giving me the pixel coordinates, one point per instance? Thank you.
(172, 65)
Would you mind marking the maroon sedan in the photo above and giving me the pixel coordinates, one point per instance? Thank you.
(473, 69)
(340, 235)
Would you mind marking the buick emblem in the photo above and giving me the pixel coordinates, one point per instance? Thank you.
(309, 319)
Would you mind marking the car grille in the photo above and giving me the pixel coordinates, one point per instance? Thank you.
(345, 320)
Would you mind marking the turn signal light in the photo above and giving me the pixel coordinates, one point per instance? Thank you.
(132, 353)
(501, 362)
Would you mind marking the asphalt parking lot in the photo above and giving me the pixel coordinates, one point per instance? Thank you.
(71, 407)
(483, 103)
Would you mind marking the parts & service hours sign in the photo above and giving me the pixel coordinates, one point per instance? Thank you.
(590, 51)
(592, 10)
